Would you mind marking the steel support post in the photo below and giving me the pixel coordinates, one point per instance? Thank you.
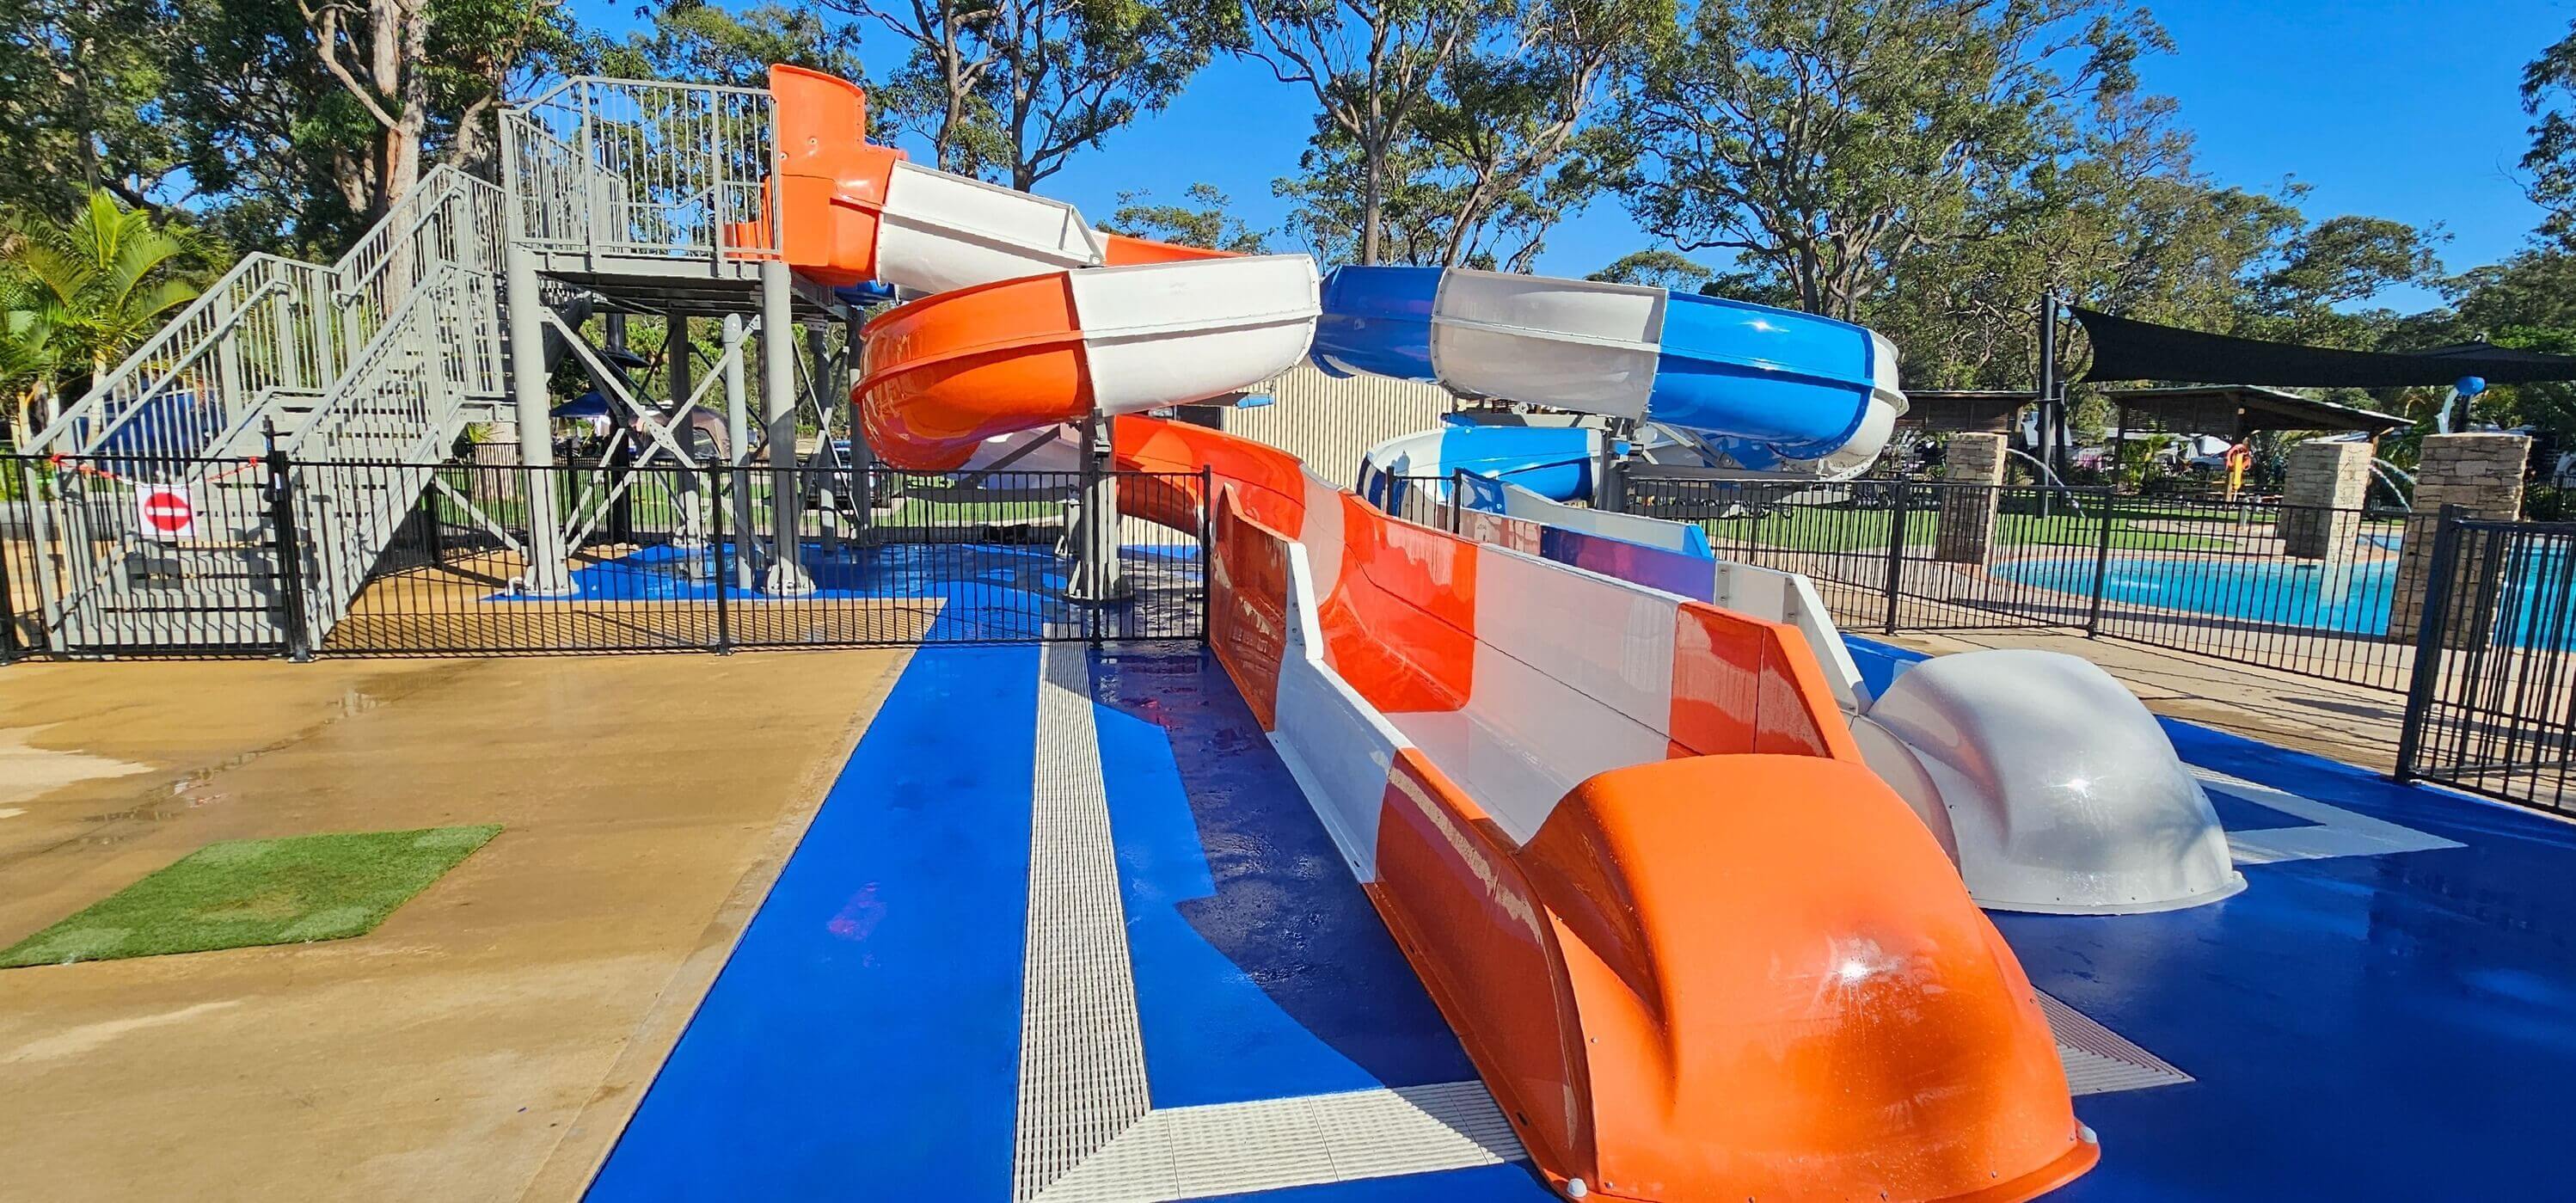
(545, 575)
(778, 412)
(1095, 536)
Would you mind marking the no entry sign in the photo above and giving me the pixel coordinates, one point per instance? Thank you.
(168, 512)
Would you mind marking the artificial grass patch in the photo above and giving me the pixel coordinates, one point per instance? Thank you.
(238, 893)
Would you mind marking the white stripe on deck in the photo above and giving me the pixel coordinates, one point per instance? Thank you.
(1087, 1129)
(2338, 832)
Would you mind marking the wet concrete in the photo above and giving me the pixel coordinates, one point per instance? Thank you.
(489, 1040)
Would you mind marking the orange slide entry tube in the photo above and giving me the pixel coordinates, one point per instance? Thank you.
(939, 375)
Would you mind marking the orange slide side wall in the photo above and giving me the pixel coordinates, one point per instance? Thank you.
(1743, 974)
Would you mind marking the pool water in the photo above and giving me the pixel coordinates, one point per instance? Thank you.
(2349, 597)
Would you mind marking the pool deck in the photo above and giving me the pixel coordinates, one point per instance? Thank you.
(497, 1028)
(1211, 1010)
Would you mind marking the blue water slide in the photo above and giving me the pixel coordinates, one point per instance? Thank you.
(1767, 387)
(1377, 320)
(1794, 382)
(1551, 461)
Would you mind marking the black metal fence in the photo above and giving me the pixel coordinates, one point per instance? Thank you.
(2492, 708)
(1899, 554)
(2312, 591)
(282, 558)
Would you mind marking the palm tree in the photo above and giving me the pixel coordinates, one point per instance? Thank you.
(26, 368)
(89, 290)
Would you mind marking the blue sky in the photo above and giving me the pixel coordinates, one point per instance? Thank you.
(2405, 109)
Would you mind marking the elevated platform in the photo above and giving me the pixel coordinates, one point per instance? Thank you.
(690, 286)
(1211, 1010)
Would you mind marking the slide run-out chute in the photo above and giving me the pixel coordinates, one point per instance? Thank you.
(1695, 948)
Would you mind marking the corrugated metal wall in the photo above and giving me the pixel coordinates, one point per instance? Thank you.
(1329, 423)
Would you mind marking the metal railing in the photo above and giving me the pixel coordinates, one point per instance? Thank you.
(2318, 592)
(1897, 554)
(643, 169)
(274, 335)
(78, 576)
(2312, 591)
(2492, 703)
(281, 562)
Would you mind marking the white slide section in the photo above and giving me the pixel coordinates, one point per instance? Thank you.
(2050, 784)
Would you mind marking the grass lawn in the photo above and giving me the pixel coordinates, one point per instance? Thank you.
(238, 893)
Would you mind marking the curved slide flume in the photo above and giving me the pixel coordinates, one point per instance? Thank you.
(1769, 389)
(1695, 949)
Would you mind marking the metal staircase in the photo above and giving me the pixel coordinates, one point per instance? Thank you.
(652, 196)
(386, 354)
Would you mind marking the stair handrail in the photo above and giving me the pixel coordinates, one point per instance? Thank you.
(376, 358)
(213, 336)
(183, 342)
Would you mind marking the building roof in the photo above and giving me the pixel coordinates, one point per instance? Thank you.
(2242, 409)
(1990, 411)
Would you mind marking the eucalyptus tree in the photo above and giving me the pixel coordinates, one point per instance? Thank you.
(1010, 89)
(1372, 67)
(1820, 139)
(1206, 221)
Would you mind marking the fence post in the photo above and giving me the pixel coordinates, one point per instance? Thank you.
(2427, 669)
(1458, 502)
(1895, 551)
(716, 474)
(288, 547)
(9, 646)
(2102, 562)
(1207, 552)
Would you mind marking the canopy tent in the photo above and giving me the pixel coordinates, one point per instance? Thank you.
(2125, 349)
(2233, 411)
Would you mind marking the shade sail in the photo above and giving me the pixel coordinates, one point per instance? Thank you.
(2125, 349)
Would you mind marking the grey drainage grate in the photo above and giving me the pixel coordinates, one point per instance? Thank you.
(2099, 1060)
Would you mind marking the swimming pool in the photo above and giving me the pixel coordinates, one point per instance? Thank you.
(2348, 597)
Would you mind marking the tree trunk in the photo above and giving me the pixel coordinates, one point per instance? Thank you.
(1370, 202)
(397, 53)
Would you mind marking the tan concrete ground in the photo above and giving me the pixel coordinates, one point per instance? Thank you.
(488, 1041)
(2341, 722)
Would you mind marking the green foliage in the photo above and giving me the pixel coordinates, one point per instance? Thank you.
(78, 79)
(707, 43)
(83, 292)
(1468, 139)
(1821, 139)
(2548, 84)
(1657, 267)
(1009, 89)
(1202, 223)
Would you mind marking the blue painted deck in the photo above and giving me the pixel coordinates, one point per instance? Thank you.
(862, 1041)
(2394, 1027)
(2391, 1027)
(987, 590)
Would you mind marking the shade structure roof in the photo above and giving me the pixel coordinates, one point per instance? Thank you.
(1989, 411)
(2127, 349)
(2241, 409)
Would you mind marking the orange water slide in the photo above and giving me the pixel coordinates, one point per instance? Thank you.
(1696, 951)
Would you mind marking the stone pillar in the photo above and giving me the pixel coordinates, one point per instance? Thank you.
(2321, 499)
(2481, 474)
(1967, 531)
